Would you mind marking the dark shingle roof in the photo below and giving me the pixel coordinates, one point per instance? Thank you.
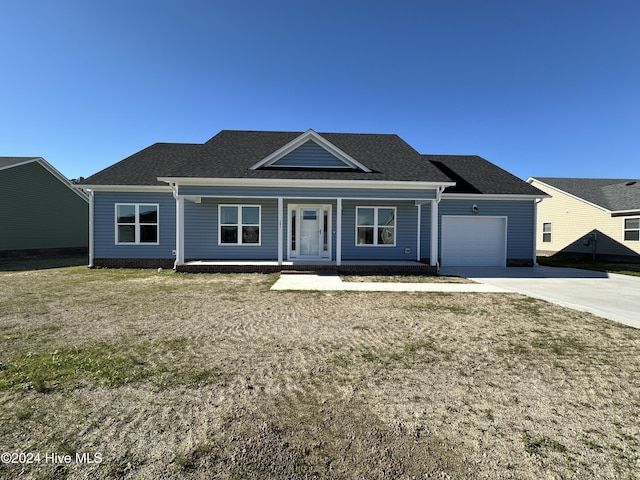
(474, 174)
(230, 154)
(614, 194)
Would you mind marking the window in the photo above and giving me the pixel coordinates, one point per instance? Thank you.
(546, 232)
(376, 226)
(136, 224)
(632, 229)
(239, 224)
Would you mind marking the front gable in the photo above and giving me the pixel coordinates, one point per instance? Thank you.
(310, 151)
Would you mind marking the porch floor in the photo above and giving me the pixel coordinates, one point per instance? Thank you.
(384, 267)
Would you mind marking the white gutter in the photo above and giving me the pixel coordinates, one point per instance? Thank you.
(625, 212)
(291, 182)
(495, 196)
(126, 188)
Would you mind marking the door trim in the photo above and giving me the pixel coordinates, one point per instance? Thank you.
(325, 232)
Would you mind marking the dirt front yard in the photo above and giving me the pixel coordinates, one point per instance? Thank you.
(139, 374)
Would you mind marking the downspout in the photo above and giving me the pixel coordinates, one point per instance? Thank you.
(91, 246)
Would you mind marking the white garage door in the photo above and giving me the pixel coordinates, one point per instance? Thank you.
(473, 241)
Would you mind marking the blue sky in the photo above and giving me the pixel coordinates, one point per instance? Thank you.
(541, 88)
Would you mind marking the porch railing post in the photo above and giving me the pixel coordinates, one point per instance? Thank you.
(280, 231)
(339, 232)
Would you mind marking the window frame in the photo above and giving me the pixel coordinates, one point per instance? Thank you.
(550, 232)
(625, 229)
(137, 223)
(239, 225)
(376, 226)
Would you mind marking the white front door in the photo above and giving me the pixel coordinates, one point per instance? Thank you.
(309, 231)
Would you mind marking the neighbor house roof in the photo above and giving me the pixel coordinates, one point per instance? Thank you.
(8, 162)
(14, 162)
(474, 174)
(613, 194)
(232, 153)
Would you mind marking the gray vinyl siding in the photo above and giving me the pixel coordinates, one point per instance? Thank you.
(310, 155)
(104, 229)
(425, 230)
(38, 211)
(309, 193)
(520, 221)
(406, 232)
(201, 231)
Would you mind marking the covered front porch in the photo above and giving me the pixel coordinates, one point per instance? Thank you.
(353, 267)
(263, 230)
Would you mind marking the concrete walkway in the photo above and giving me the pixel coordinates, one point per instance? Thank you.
(312, 281)
(608, 295)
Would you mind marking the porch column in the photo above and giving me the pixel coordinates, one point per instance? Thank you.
(280, 231)
(91, 227)
(338, 232)
(179, 231)
(434, 233)
(419, 205)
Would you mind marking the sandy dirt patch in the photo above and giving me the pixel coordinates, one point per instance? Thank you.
(216, 376)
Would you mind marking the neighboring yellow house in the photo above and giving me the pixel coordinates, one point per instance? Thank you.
(589, 218)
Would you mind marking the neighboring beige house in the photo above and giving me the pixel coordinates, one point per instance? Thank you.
(589, 217)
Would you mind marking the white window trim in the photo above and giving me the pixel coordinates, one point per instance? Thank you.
(376, 226)
(550, 232)
(137, 223)
(240, 225)
(625, 230)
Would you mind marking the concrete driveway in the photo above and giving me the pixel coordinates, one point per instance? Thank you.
(608, 295)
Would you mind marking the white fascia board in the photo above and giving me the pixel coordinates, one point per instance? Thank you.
(284, 182)
(485, 196)
(126, 188)
(302, 139)
(575, 197)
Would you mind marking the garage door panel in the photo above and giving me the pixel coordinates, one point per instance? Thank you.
(473, 241)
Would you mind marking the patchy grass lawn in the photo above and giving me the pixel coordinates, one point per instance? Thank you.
(611, 267)
(215, 376)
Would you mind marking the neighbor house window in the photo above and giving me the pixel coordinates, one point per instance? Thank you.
(546, 232)
(136, 223)
(632, 229)
(239, 224)
(376, 226)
